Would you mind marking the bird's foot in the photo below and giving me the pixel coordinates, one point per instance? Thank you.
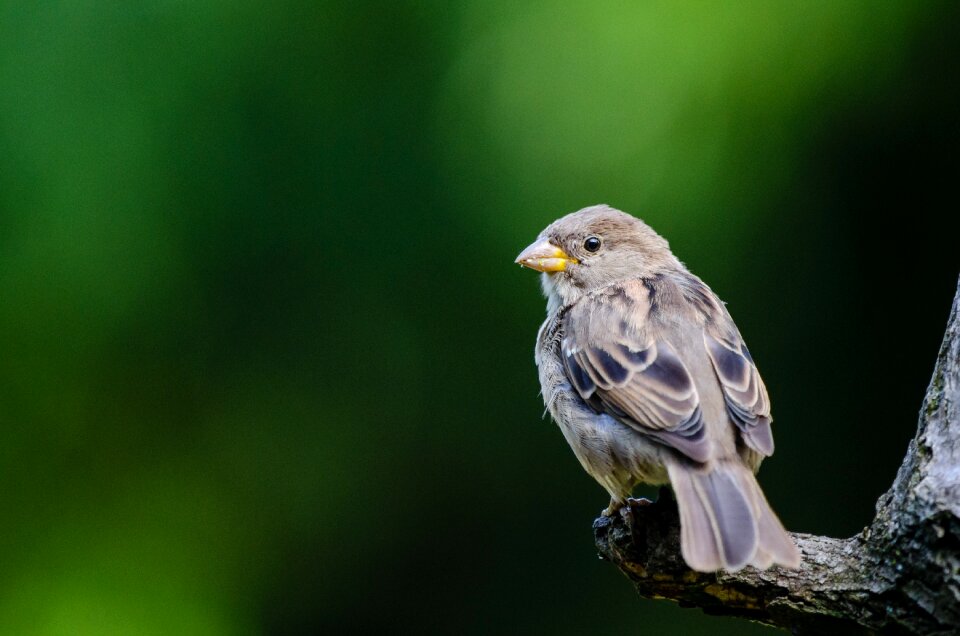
(627, 511)
(614, 507)
(625, 506)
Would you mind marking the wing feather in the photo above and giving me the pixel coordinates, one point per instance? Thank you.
(743, 390)
(619, 368)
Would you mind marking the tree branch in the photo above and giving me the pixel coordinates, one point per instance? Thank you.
(901, 575)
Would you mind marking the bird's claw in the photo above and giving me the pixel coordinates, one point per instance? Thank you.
(625, 507)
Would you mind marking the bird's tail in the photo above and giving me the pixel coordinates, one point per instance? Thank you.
(725, 520)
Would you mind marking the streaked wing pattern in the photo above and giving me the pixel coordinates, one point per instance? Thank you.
(743, 390)
(641, 382)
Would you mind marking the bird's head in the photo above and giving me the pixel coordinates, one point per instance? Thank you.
(592, 248)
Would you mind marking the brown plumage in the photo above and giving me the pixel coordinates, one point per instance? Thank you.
(650, 381)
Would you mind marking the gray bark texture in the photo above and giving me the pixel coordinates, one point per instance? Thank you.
(900, 575)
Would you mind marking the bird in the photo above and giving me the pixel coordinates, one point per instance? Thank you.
(649, 380)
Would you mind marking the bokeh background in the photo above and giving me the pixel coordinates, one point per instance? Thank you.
(266, 364)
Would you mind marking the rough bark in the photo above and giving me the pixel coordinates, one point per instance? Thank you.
(901, 575)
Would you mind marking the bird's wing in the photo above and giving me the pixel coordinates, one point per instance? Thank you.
(743, 390)
(618, 367)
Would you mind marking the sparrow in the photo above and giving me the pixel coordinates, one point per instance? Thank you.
(649, 380)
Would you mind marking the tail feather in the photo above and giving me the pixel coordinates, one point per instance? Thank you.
(773, 538)
(725, 521)
(699, 544)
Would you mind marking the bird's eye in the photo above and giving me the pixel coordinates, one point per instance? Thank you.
(592, 244)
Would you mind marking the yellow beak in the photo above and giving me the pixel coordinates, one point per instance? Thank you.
(544, 256)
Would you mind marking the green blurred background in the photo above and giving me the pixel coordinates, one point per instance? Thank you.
(267, 363)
